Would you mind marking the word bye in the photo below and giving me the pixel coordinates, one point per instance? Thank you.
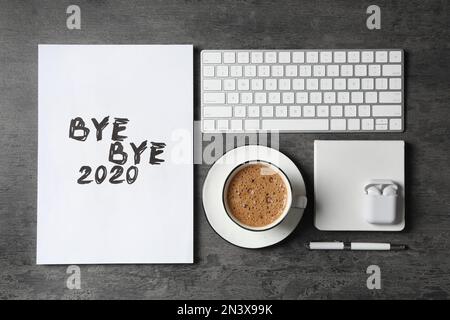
(78, 130)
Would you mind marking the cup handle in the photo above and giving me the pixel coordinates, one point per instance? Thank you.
(299, 202)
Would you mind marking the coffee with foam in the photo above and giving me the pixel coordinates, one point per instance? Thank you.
(256, 195)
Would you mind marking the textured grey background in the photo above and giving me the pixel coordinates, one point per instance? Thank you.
(222, 270)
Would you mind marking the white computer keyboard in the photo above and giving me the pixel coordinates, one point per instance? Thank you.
(302, 90)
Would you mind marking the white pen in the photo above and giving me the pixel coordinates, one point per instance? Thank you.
(336, 245)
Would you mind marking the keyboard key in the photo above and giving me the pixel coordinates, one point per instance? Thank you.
(271, 84)
(251, 124)
(296, 124)
(392, 70)
(208, 125)
(353, 84)
(346, 70)
(212, 57)
(288, 97)
(395, 56)
(390, 97)
(280, 111)
(236, 125)
(326, 84)
(309, 111)
(350, 111)
(247, 97)
(395, 124)
(236, 71)
(250, 71)
(270, 57)
(243, 57)
(222, 71)
(326, 57)
(340, 84)
(312, 57)
(381, 56)
(381, 127)
(315, 97)
(267, 111)
(339, 57)
(312, 84)
(214, 98)
(295, 111)
(239, 111)
(208, 71)
(343, 97)
(253, 111)
(243, 84)
(357, 97)
(257, 57)
(291, 71)
(232, 97)
(367, 56)
(217, 112)
(298, 84)
(361, 70)
(277, 71)
(260, 97)
(367, 84)
(353, 124)
(395, 83)
(374, 70)
(222, 124)
(284, 57)
(274, 97)
(364, 110)
(229, 57)
(263, 71)
(371, 97)
(322, 111)
(381, 124)
(329, 97)
(336, 111)
(319, 71)
(305, 71)
(381, 84)
(367, 124)
(298, 57)
(209, 85)
(284, 84)
(353, 57)
(257, 84)
(333, 71)
(338, 124)
(387, 110)
(301, 97)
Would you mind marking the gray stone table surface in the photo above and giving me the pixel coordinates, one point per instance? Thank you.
(221, 270)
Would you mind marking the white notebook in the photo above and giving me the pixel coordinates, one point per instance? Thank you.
(96, 205)
(342, 169)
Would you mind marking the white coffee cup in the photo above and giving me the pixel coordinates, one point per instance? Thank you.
(298, 202)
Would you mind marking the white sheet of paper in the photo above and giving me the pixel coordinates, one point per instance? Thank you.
(149, 220)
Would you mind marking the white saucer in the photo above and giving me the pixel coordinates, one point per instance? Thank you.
(213, 203)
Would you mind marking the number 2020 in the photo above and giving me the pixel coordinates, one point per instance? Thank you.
(101, 172)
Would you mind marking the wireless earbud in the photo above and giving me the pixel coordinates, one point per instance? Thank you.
(389, 191)
(374, 191)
